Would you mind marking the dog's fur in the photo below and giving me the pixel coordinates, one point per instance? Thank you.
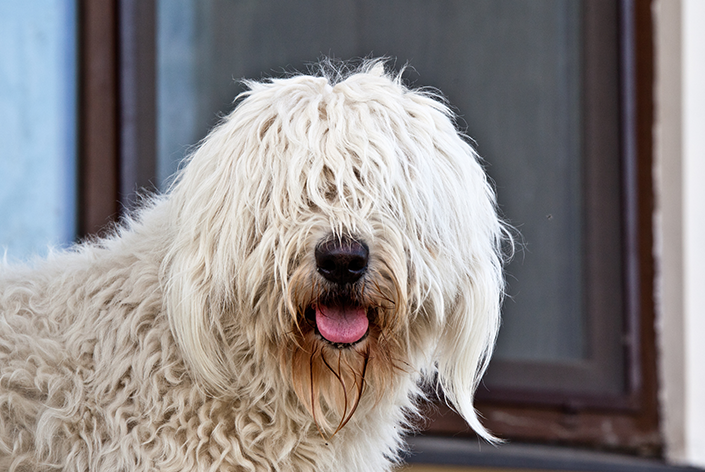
(188, 340)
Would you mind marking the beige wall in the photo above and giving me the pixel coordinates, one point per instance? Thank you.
(680, 224)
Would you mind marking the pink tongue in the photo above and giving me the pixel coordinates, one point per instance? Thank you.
(343, 325)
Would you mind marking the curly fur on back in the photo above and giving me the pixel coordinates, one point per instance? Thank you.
(187, 341)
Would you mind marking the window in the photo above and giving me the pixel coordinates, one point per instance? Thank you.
(556, 95)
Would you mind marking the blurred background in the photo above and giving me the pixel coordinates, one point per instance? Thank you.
(582, 110)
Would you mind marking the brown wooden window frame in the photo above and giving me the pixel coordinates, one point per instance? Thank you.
(117, 156)
(117, 125)
(99, 135)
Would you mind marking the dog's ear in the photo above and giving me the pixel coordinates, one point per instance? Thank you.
(467, 341)
(471, 318)
(193, 316)
(198, 271)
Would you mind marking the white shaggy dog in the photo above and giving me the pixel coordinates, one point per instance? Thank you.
(330, 246)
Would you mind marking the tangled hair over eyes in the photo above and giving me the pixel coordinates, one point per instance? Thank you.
(306, 158)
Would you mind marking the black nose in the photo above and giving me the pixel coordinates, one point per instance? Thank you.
(342, 260)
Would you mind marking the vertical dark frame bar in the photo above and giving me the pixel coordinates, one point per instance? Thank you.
(98, 115)
(137, 31)
(643, 122)
(117, 108)
(630, 196)
(605, 258)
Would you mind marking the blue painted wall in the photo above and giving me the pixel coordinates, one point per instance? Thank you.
(37, 126)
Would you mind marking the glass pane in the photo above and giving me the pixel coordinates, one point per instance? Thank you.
(37, 126)
(532, 129)
(512, 69)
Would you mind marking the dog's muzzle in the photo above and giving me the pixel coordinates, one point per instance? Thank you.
(341, 319)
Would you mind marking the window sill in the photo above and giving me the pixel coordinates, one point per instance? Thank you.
(472, 453)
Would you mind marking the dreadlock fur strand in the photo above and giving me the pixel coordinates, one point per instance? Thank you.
(330, 247)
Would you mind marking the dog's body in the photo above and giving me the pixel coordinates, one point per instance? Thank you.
(327, 248)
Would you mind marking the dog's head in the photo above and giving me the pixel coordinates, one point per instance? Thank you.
(336, 233)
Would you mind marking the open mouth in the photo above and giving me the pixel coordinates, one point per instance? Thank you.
(339, 323)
